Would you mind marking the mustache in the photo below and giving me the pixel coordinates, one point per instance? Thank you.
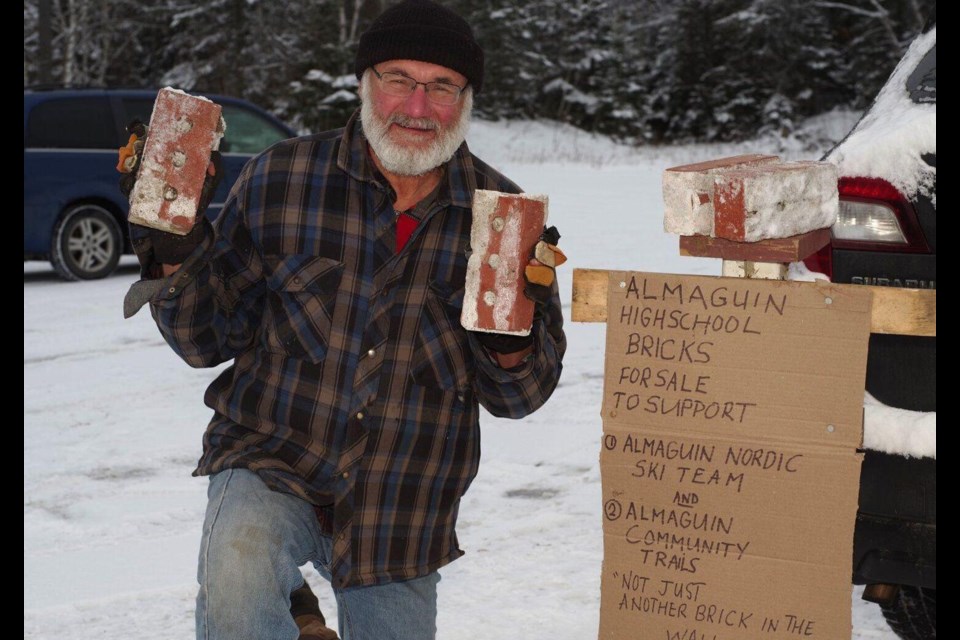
(414, 123)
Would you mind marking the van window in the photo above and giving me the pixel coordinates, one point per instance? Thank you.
(248, 132)
(72, 123)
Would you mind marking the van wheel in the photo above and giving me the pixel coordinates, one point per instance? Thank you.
(913, 613)
(87, 243)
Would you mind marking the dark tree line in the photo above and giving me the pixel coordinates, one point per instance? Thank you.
(648, 71)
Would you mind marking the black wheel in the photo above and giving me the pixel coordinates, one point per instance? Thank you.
(913, 613)
(86, 244)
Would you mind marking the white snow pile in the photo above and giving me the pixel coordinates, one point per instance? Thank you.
(801, 272)
(890, 139)
(899, 431)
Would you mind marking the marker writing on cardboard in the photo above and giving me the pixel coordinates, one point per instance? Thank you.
(733, 463)
(690, 634)
(685, 519)
(668, 349)
(663, 378)
(693, 322)
(688, 377)
(722, 548)
(726, 410)
(704, 297)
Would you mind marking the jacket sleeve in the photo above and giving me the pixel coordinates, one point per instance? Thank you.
(518, 392)
(208, 311)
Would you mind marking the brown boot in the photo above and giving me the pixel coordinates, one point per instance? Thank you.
(305, 609)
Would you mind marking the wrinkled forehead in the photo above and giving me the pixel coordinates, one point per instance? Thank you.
(423, 71)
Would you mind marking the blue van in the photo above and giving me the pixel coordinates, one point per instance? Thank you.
(73, 212)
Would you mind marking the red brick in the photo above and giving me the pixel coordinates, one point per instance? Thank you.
(183, 131)
(725, 163)
(729, 212)
(775, 200)
(505, 229)
(688, 192)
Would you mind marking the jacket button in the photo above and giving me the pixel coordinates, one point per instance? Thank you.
(359, 415)
(372, 352)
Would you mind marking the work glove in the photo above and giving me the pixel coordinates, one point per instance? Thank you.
(539, 274)
(168, 248)
(305, 609)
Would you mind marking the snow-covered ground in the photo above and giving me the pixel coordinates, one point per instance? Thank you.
(113, 422)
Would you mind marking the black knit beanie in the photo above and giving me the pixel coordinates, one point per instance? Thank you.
(426, 31)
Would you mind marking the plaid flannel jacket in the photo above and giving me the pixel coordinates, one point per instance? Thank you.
(353, 382)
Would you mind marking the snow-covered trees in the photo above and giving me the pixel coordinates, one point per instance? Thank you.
(641, 70)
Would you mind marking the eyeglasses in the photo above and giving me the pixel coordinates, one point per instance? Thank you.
(397, 84)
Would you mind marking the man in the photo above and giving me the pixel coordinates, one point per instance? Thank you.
(346, 430)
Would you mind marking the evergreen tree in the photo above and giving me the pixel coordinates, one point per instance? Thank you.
(648, 71)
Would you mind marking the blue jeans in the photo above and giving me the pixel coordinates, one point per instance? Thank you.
(254, 541)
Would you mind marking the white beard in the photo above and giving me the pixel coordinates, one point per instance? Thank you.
(404, 160)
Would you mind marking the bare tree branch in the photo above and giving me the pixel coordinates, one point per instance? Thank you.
(843, 6)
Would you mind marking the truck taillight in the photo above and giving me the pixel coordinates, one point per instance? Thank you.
(873, 216)
(867, 222)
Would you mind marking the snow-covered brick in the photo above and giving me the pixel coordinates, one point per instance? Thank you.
(688, 193)
(184, 129)
(505, 229)
(774, 200)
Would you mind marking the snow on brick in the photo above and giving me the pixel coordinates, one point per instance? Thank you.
(504, 231)
(688, 193)
(184, 129)
(776, 200)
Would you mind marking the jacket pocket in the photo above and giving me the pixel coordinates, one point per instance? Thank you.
(442, 356)
(303, 293)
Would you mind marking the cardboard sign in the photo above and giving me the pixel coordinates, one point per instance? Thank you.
(732, 413)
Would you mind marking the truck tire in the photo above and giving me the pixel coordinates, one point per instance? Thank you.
(913, 614)
(87, 243)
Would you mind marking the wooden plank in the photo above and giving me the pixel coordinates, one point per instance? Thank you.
(754, 270)
(589, 295)
(904, 311)
(911, 312)
(792, 249)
